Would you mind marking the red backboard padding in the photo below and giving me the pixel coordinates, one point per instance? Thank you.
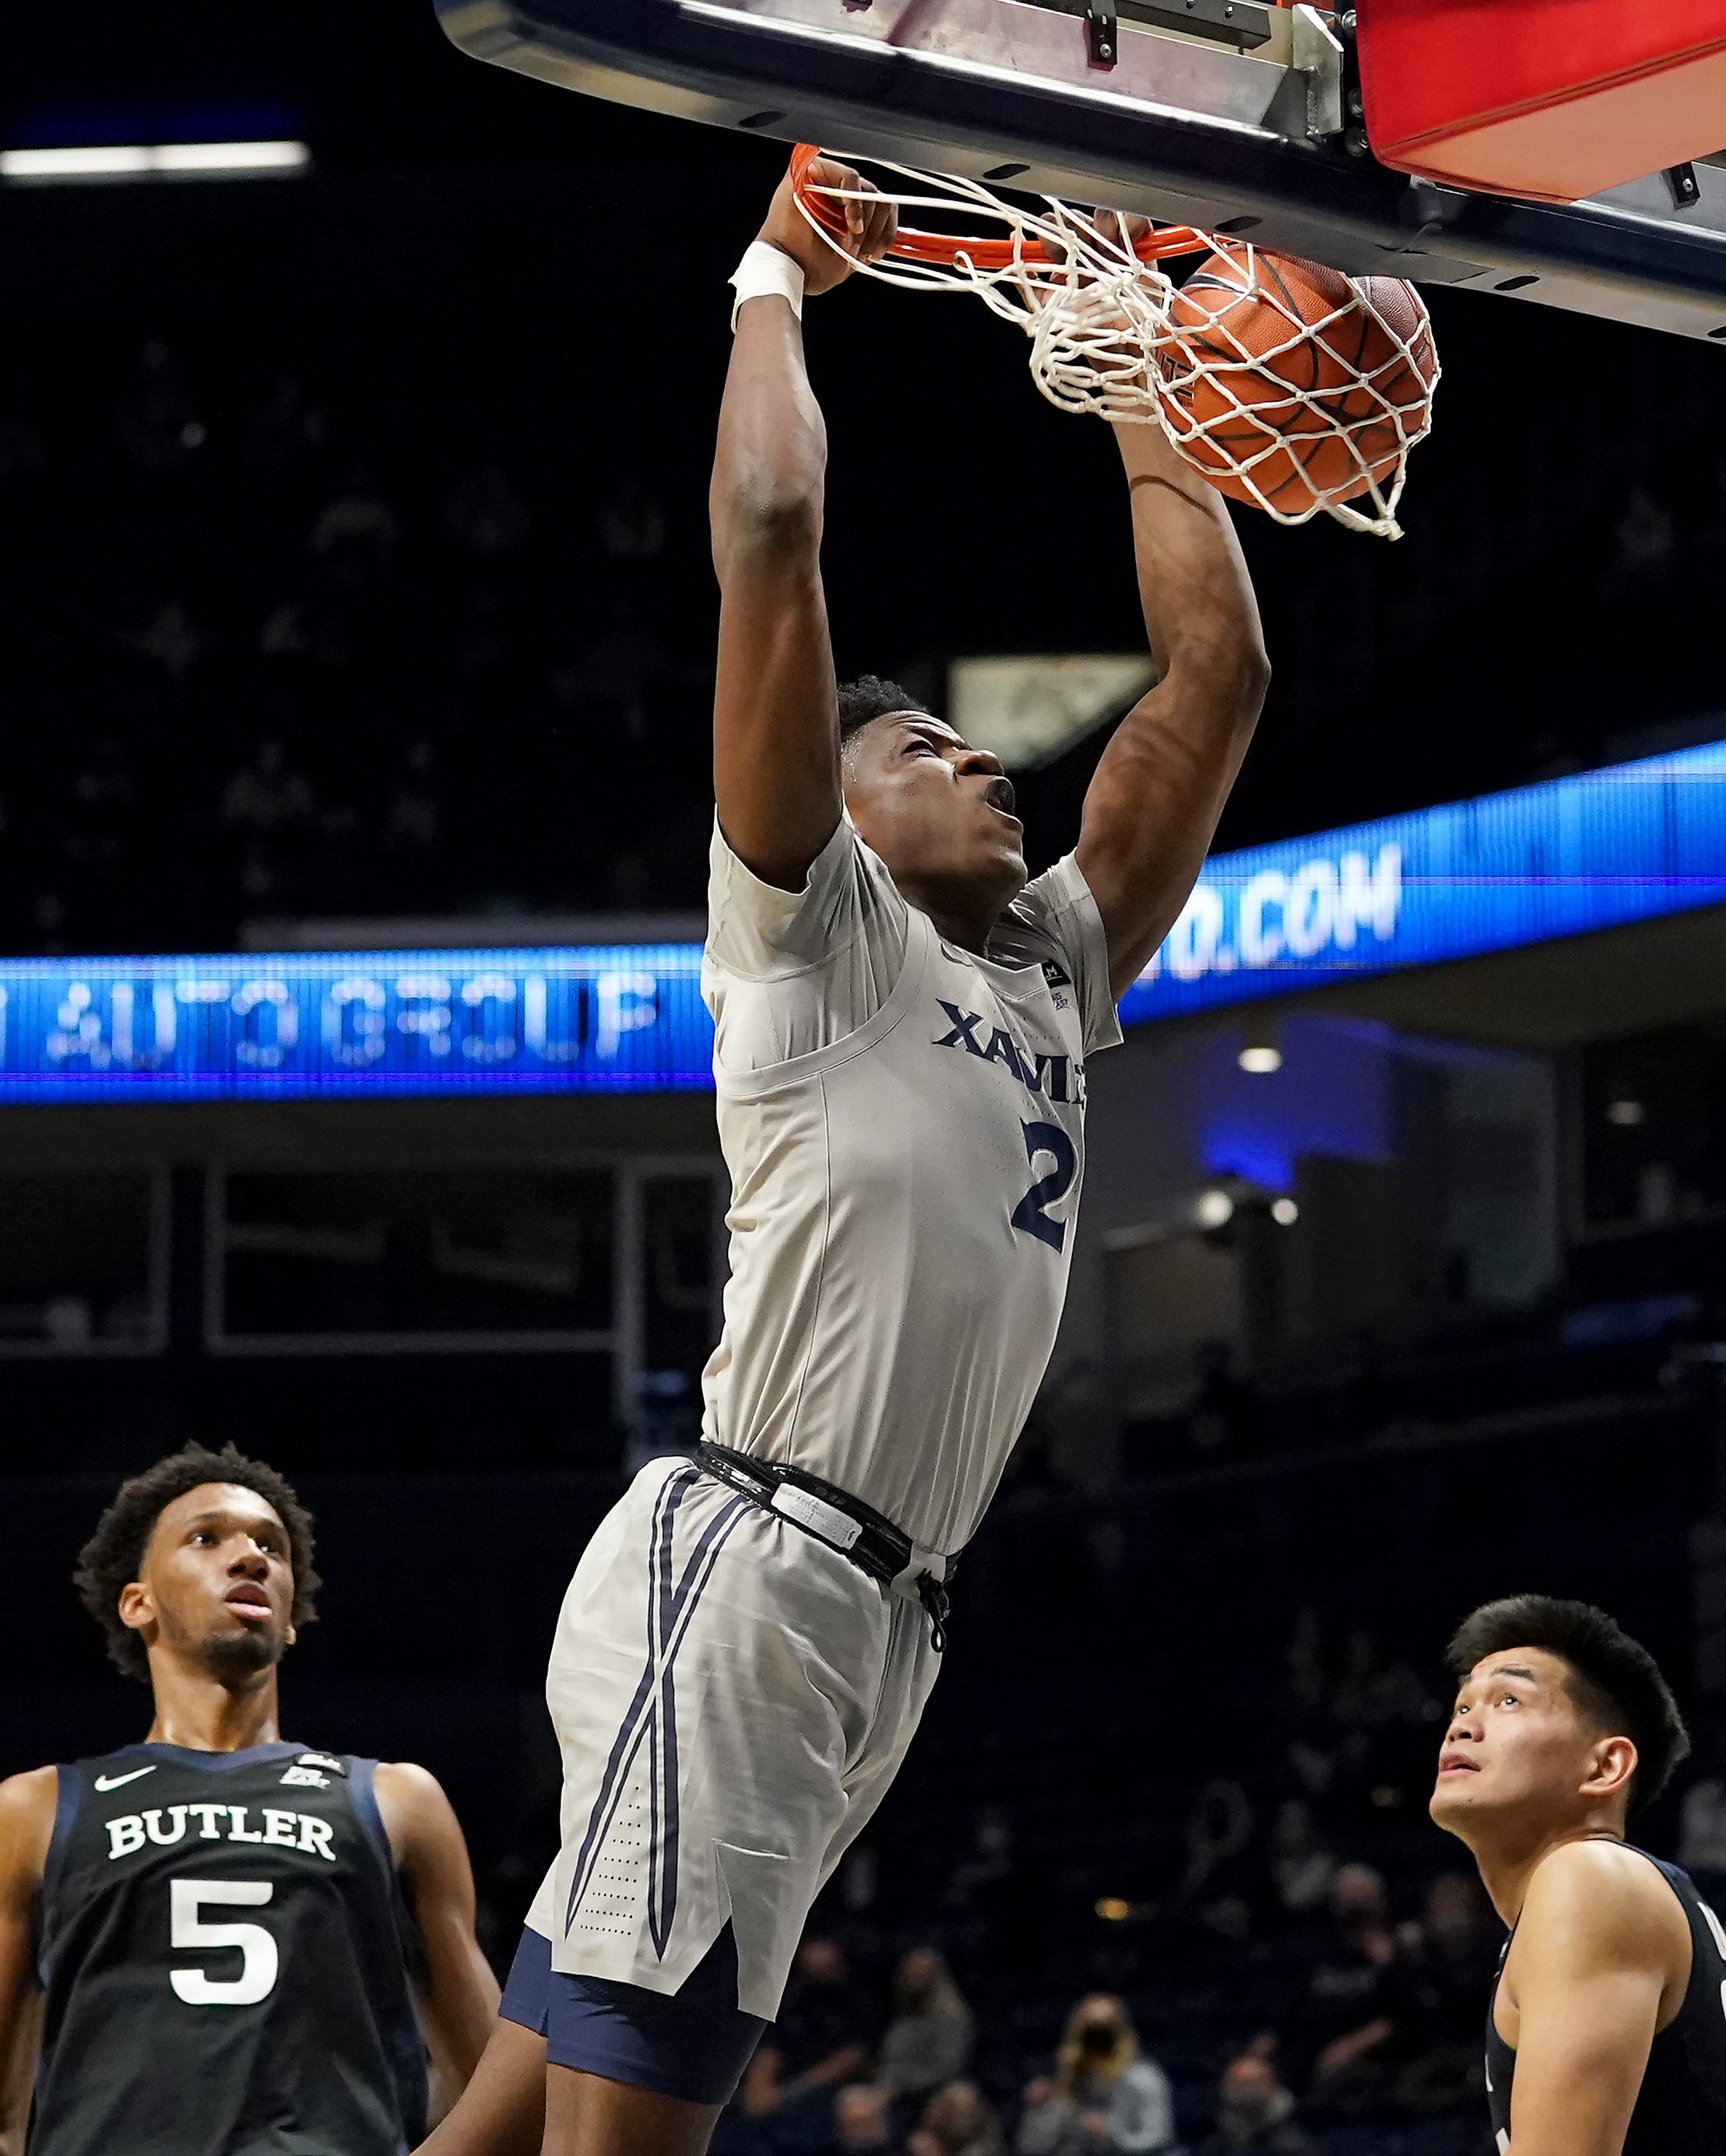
(1548, 98)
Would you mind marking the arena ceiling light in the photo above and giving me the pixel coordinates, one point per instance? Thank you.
(1260, 1059)
(1029, 710)
(155, 160)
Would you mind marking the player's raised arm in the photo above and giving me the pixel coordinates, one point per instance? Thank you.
(27, 1807)
(775, 714)
(1152, 806)
(1601, 1947)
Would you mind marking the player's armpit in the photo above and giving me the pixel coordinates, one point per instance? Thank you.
(1601, 1944)
(1159, 788)
(27, 1808)
(459, 1995)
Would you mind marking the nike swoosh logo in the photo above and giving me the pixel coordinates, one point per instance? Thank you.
(119, 1781)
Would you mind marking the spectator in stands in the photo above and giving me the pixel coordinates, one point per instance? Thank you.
(486, 515)
(411, 823)
(928, 2039)
(356, 534)
(862, 2121)
(266, 797)
(1302, 1870)
(1645, 543)
(957, 2121)
(630, 523)
(159, 427)
(1702, 1828)
(1220, 1872)
(168, 638)
(1444, 1971)
(287, 425)
(1253, 2111)
(1348, 2016)
(1104, 2094)
(820, 2041)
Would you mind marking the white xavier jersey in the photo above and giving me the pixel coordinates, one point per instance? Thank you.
(905, 1128)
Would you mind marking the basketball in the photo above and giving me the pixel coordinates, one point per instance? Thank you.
(1288, 384)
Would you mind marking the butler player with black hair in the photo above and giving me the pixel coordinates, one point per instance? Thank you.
(1606, 2032)
(211, 1942)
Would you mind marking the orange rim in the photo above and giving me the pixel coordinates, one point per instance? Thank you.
(944, 248)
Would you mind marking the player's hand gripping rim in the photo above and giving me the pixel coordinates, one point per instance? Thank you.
(871, 224)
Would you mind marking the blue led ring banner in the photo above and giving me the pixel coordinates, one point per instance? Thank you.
(1629, 843)
(611, 1019)
(1606, 847)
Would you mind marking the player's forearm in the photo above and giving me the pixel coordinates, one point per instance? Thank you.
(1199, 611)
(460, 2002)
(501, 2111)
(769, 471)
(1153, 803)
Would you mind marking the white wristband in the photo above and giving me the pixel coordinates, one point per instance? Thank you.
(763, 270)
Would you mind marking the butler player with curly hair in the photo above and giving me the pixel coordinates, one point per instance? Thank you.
(215, 1942)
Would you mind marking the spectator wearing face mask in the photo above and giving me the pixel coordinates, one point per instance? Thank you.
(1254, 2112)
(1104, 2094)
(1350, 2018)
(928, 2040)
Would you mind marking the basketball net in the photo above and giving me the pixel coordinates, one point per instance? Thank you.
(1097, 310)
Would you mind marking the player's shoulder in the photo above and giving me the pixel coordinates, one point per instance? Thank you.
(1602, 1895)
(23, 1795)
(411, 1803)
(406, 1781)
(1051, 912)
(26, 1809)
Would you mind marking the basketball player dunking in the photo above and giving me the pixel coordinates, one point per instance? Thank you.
(206, 1939)
(902, 1028)
(1606, 2032)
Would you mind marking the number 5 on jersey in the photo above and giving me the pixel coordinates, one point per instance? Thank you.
(186, 1927)
(1046, 1140)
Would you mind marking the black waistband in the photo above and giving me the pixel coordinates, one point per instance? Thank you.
(880, 1549)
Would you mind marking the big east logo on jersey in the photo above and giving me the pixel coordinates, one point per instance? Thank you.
(1055, 1077)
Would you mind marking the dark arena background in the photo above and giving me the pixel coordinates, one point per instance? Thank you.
(356, 600)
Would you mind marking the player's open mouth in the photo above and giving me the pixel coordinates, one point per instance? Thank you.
(1456, 1766)
(252, 1600)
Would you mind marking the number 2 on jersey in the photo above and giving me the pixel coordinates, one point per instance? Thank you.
(1050, 1141)
(259, 1959)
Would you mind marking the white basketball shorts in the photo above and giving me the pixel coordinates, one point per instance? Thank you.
(734, 1700)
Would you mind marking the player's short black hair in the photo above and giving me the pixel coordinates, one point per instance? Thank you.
(869, 697)
(1614, 1679)
(112, 1556)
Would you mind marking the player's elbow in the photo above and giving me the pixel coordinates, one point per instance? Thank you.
(1232, 673)
(766, 516)
(1242, 669)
